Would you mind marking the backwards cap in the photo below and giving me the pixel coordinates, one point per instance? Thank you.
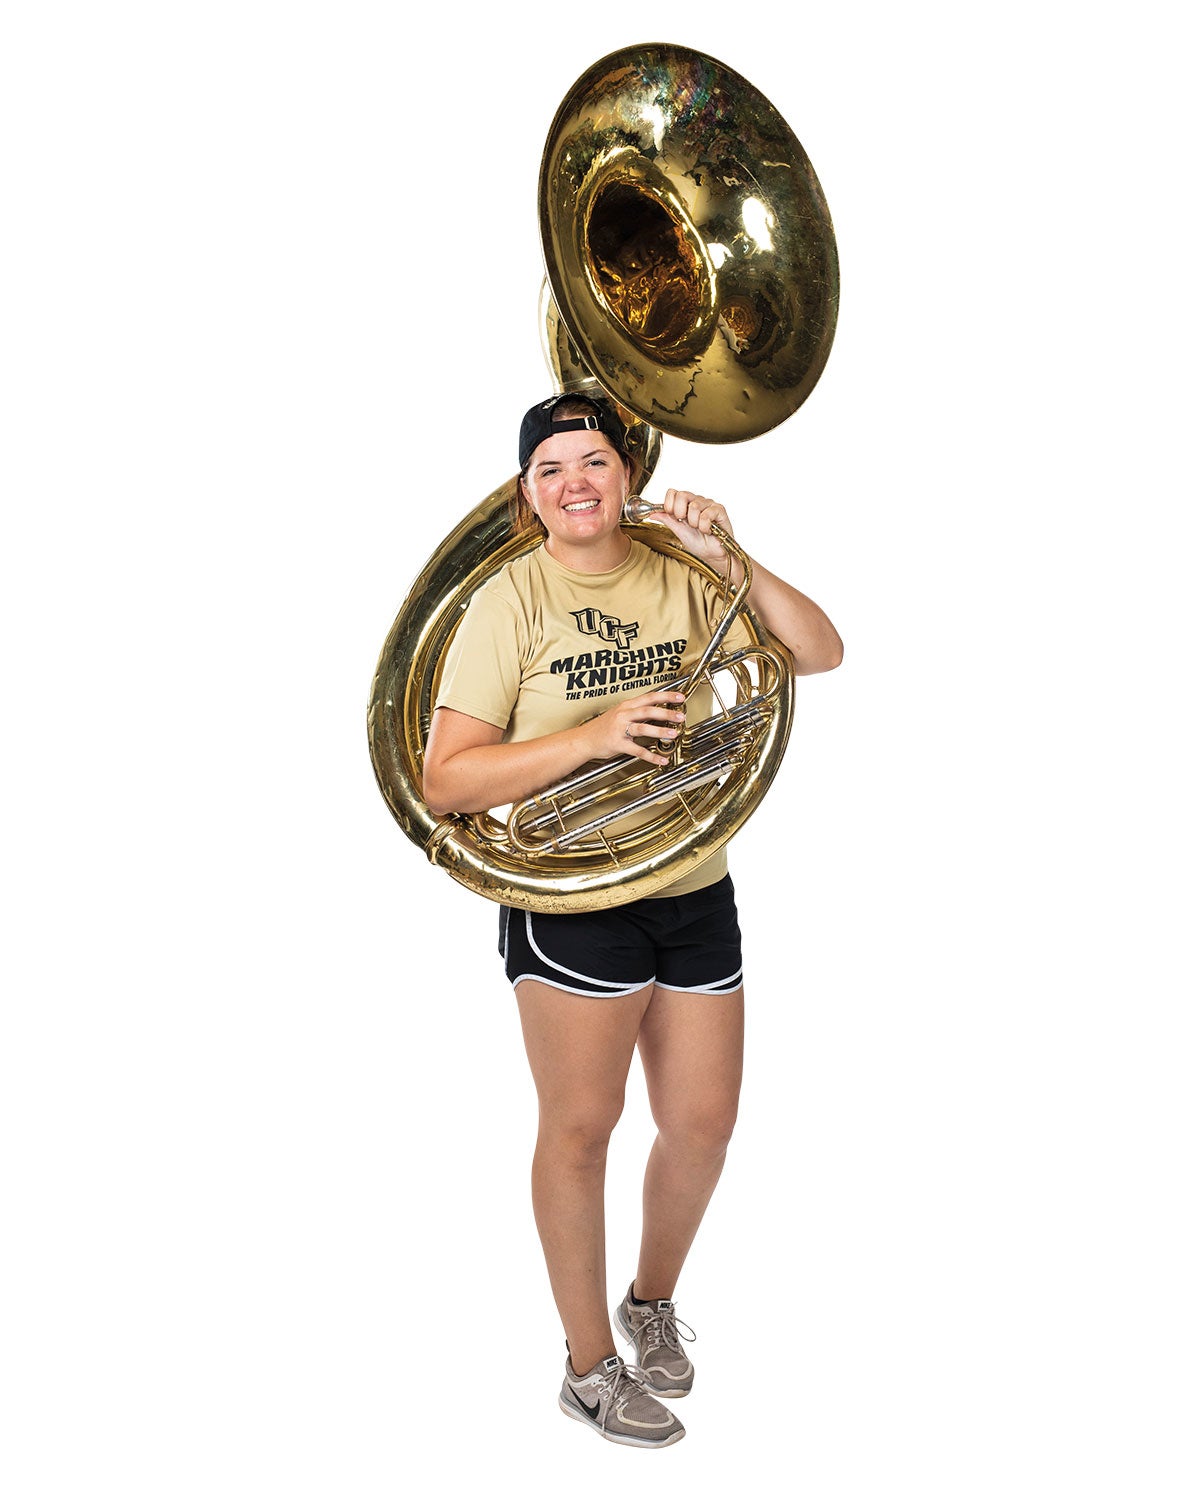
(539, 423)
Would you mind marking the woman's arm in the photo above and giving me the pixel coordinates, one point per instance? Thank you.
(802, 625)
(468, 768)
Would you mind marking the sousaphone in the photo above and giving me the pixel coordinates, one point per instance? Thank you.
(692, 279)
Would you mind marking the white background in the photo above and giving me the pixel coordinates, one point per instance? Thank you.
(270, 285)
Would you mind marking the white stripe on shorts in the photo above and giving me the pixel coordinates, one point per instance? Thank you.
(724, 986)
(554, 984)
(620, 986)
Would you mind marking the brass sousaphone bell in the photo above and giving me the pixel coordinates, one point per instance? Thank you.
(692, 279)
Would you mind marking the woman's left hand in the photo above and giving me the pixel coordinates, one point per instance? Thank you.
(802, 625)
(691, 518)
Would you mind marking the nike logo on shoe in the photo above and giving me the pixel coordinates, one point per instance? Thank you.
(592, 1411)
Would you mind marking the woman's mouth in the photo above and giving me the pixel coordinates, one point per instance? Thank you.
(577, 506)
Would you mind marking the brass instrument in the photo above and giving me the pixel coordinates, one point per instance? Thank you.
(692, 279)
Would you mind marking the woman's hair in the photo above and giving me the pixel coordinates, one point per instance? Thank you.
(523, 515)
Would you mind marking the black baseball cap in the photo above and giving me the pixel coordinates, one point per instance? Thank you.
(539, 423)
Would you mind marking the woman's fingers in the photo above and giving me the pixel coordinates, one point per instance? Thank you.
(670, 703)
(645, 752)
(654, 716)
(692, 517)
(652, 731)
(698, 511)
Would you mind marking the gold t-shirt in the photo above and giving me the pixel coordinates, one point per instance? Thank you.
(542, 648)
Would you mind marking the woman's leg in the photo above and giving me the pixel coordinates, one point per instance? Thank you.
(691, 1048)
(579, 1049)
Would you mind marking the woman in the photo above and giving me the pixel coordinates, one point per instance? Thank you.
(662, 974)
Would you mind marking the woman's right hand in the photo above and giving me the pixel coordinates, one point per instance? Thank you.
(654, 716)
(469, 767)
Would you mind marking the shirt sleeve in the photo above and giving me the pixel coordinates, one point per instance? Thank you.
(482, 676)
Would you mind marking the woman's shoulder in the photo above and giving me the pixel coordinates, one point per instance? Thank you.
(516, 579)
(670, 566)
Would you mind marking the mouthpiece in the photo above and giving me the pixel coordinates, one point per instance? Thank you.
(636, 509)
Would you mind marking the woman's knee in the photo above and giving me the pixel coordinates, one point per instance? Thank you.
(579, 1131)
(698, 1128)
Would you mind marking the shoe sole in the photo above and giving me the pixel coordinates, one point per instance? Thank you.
(613, 1437)
(627, 1333)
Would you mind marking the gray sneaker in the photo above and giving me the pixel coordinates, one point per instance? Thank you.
(612, 1397)
(654, 1331)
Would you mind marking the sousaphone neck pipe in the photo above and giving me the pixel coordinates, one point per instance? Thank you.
(637, 509)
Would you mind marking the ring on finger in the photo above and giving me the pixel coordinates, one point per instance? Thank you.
(629, 731)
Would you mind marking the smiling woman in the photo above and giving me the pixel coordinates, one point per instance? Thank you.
(517, 710)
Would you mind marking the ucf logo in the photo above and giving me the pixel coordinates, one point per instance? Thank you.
(607, 627)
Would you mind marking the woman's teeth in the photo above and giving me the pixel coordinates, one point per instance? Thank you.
(582, 505)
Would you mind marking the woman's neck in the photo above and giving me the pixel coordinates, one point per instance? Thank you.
(599, 556)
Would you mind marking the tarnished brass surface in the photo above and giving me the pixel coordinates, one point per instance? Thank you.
(643, 443)
(688, 244)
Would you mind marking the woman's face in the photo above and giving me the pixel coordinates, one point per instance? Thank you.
(576, 483)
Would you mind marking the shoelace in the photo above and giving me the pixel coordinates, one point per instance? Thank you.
(613, 1387)
(662, 1331)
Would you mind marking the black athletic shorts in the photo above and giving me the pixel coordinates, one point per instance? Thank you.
(687, 942)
